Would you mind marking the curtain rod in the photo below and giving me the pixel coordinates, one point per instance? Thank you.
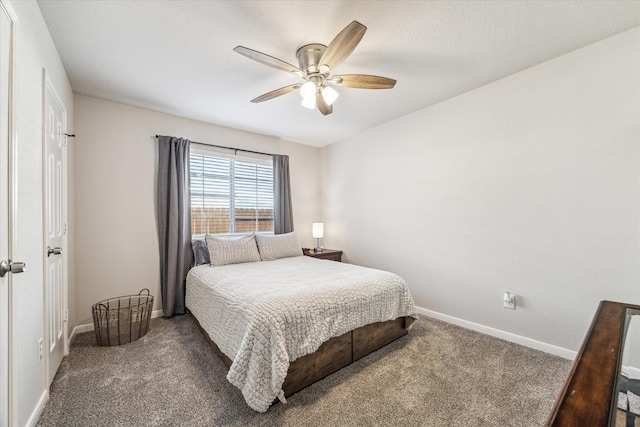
(229, 148)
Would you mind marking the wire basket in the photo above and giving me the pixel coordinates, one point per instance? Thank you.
(122, 320)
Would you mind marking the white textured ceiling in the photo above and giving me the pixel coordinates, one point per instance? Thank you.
(177, 57)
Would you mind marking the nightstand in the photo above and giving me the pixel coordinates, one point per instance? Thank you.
(330, 254)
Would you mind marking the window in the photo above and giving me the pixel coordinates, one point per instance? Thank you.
(230, 194)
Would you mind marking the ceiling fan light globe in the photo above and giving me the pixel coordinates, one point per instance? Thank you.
(324, 69)
(329, 95)
(308, 90)
(309, 102)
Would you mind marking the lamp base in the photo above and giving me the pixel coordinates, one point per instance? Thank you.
(318, 250)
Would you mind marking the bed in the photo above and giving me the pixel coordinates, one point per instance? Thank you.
(280, 324)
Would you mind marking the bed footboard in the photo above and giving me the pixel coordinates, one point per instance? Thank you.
(334, 354)
(371, 337)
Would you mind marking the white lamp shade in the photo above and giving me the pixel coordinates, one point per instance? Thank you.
(318, 230)
(308, 89)
(329, 95)
(309, 102)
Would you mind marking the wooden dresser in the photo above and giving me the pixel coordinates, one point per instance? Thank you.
(590, 394)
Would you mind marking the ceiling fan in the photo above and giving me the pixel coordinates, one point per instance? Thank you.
(317, 61)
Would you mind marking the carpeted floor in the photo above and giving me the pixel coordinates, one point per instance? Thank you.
(438, 375)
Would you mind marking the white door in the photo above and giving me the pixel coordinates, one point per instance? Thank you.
(55, 222)
(4, 216)
(6, 72)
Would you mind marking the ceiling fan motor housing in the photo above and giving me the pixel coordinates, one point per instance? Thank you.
(309, 57)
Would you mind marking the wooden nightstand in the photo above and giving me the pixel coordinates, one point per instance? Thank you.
(330, 254)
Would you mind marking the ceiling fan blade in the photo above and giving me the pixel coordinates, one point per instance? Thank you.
(274, 93)
(322, 104)
(362, 81)
(343, 44)
(265, 59)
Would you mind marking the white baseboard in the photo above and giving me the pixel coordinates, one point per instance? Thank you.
(507, 336)
(35, 415)
(631, 372)
(88, 327)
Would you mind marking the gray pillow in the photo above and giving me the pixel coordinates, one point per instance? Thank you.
(232, 250)
(278, 246)
(200, 252)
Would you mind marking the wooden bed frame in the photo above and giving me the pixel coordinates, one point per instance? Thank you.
(334, 354)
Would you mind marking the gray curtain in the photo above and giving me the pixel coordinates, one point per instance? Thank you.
(282, 214)
(174, 222)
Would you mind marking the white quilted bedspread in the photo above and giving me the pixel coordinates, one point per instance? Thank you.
(266, 314)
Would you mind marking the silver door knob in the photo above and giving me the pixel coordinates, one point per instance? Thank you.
(54, 251)
(11, 267)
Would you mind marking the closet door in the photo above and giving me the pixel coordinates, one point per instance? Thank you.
(55, 142)
(6, 206)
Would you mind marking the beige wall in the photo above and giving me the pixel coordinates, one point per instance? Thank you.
(530, 184)
(115, 172)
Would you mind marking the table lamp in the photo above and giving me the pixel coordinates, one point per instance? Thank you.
(318, 233)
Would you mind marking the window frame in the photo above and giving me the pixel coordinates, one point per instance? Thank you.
(266, 160)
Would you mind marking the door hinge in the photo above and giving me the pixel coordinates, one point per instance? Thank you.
(65, 228)
(66, 315)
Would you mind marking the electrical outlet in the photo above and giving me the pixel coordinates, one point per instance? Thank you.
(40, 349)
(509, 301)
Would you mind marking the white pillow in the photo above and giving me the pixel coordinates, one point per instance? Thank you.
(278, 246)
(232, 250)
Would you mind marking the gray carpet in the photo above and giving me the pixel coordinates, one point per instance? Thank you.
(438, 375)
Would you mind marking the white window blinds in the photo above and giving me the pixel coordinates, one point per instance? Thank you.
(230, 194)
